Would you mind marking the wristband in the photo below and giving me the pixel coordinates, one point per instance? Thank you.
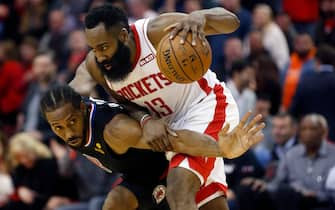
(145, 118)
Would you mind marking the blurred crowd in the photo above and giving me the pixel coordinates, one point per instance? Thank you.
(280, 63)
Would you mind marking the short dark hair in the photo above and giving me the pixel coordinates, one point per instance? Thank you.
(108, 15)
(59, 96)
(238, 66)
(284, 115)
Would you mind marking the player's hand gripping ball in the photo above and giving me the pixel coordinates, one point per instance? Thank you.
(183, 63)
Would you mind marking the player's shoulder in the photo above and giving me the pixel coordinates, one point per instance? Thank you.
(102, 104)
(91, 62)
(93, 69)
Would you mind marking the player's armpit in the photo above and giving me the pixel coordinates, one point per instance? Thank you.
(121, 133)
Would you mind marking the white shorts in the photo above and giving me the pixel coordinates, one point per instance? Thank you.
(208, 117)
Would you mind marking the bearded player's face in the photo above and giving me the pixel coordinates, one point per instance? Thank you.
(112, 56)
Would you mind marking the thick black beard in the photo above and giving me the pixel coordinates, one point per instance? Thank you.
(120, 62)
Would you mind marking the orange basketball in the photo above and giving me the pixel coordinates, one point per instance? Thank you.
(183, 63)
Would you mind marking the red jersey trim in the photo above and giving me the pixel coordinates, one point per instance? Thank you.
(220, 111)
(209, 190)
(137, 43)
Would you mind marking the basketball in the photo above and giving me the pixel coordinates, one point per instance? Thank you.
(183, 63)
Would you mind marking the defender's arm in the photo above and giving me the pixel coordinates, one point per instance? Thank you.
(123, 132)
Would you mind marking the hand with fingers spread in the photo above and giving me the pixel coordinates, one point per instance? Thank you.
(194, 23)
(155, 134)
(242, 137)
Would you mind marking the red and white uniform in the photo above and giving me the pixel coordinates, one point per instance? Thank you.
(203, 106)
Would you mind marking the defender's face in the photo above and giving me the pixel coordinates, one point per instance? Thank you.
(68, 123)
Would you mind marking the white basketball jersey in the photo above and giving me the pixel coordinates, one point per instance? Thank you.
(148, 87)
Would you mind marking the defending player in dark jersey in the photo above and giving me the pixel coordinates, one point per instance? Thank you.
(105, 134)
(81, 123)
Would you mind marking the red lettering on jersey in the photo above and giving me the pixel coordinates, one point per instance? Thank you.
(126, 93)
(154, 76)
(144, 86)
(163, 78)
(148, 84)
(119, 92)
(140, 89)
(158, 106)
(130, 88)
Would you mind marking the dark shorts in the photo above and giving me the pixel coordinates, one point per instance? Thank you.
(145, 195)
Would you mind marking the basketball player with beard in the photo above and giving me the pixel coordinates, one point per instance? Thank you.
(123, 61)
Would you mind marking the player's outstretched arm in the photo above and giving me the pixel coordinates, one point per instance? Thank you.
(123, 132)
(229, 145)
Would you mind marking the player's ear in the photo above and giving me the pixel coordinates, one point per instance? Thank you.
(123, 35)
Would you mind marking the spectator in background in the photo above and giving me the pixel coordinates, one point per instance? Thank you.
(191, 5)
(217, 41)
(262, 149)
(12, 86)
(56, 37)
(274, 40)
(73, 10)
(316, 90)
(330, 186)
(139, 9)
(78, 50)
(325, 29)
(9, 20)
(304, 14)
(267, 81)
(236, 170)
(233, 51)
(243, 15)
(30, 118)
(300, 179)
(35, 174)
(33, 17)
(284, 131)
(301, 62)
(242, 79)
(254, 47)
(28, 51)
(6, 184)
(285, 24)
